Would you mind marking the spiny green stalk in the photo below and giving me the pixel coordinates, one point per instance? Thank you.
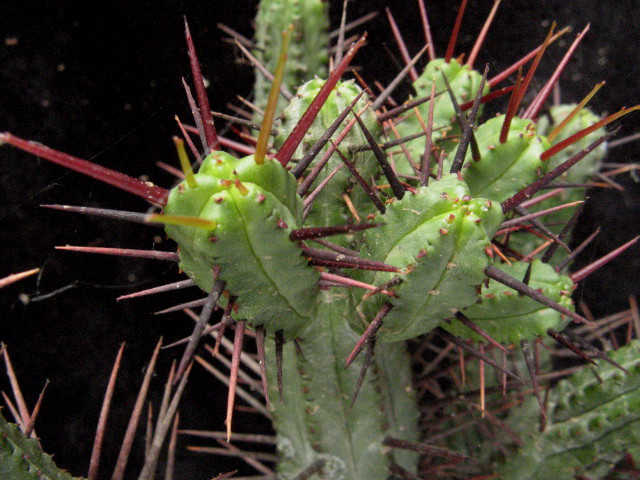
(433, 250)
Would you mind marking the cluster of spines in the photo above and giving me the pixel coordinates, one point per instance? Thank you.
(157, 195)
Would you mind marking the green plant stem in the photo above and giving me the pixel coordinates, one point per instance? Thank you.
(314, 419)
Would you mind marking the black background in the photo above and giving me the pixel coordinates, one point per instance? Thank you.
(102, 81)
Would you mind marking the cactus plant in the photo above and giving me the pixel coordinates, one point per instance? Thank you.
(326, 301)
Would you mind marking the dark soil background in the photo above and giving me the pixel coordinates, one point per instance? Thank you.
(101, 80)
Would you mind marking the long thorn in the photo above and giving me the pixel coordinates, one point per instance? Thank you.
(134, 217)
(127, 442)
(125, 252)
(592, 267)
(528, 192)
(520, 287)
(238, 341)
(203, 100)
(146, 190)
(454, 33)
(369, 334)
(392, 178)
(482, 35)
(396, 81)
(279, 339)
(290, 145)
(466, 347)
(102, 421)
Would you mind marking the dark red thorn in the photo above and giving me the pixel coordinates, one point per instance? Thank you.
(279, 340)
(454, 33)
(568, 227)
(392, 178)
(483, 333)
(161, 289)
(176, 308)
(187, 137)
(467, 125)
(511, 109)
(306, 233)
(532, 69)
(483, 34)
(369, 334)
(425, 168)
(315, 171)
(238, 341)
(526, 218)
(371, 193)
(309, 199)
(592, 267)
(488, 97)
(505, 73)
(401, 45)
(265, 72)
(236, 35)
(302, 165)
(127, 442)
(527, 274)
(196, 115)
(125, 252)
(528, 192)
(393, 143)
(337, 248)
(312, 469)
(530, 360)
(427, 30)
(146, 190)
(394, 112)
(349, 282)
(558, 147)
(538, 102)
(94, 463)
(542, 227)
(241, 121)
(290, 145)
(558, 337)
(576, 251)
(371, 345)
(201, 92)
(28, 429)
(334, 259)
(261, 333)
(104, 213)
(401, 472)
(426, 449)
(467, 348)
(210, 303)
(511, 282)
(386, 93)
(223, 324)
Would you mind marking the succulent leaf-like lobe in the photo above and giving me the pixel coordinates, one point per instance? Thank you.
(255, 208)
(438, 236)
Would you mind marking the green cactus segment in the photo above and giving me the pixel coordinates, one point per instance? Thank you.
(578, 174)
(307, 54)
(255, 208)
(315, 421)
(22, 458)
(593, 419)
(505, 168)
(509, 317)
(438, 235)
(464, 82)
(329, 207)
